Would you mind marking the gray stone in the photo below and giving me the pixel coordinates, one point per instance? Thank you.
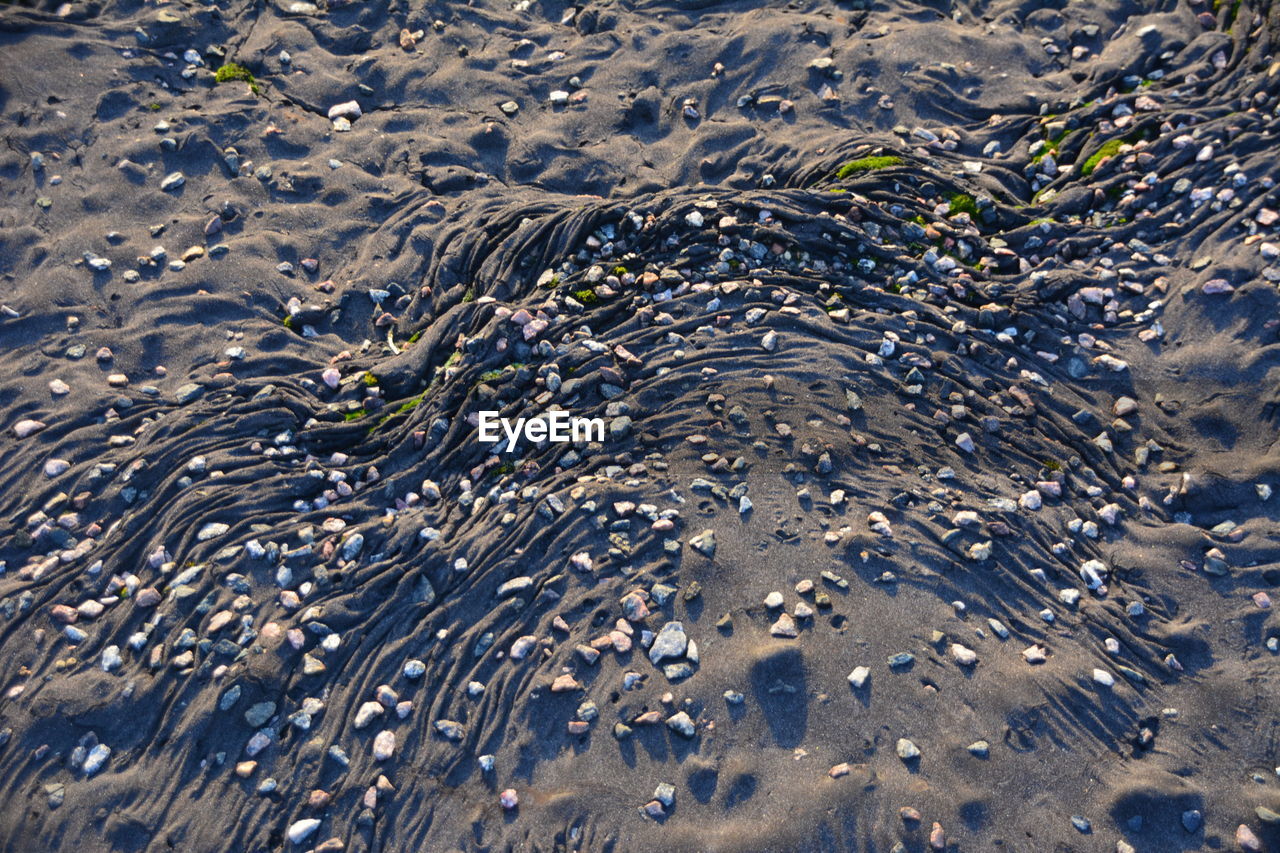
(671, 642)
(259, 713)
(189, 392)
(682, 724)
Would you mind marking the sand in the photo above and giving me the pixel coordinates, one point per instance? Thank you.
(938, 347)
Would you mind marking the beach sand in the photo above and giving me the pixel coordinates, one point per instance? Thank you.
(937, 344)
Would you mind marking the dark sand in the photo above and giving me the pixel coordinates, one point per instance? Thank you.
(1010, 364)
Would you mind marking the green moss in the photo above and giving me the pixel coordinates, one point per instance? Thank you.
(415, 337)
(867, 164)
(1051, 146)
(231, 71)
(962, 203)
(619, 271)
(553, 282)
(154, 107)
(490, 375)
(454, 358)
(288, 322)
(410, 404)
(470, 295)
(1109, 149)
(370, 380)
(586, 296)
(1053, 464)
(355, 414)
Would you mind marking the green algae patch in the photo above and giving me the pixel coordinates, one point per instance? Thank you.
(232, 71)
(962, 203)
(867, 164)
(1110, 148)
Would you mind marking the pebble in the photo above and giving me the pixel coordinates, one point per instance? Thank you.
(785, 626)
(514, 586)
(27, 426)
(259, 713)
(349, 110)
(451, 730)
(96, 759)
(907, 750)
(682, 724)
(367, 713)
(188, 392)
(212, 530)
(704, 543)
(963, 655)
(384, 745)
(671, 642)
(1247, 840)
(299, 831)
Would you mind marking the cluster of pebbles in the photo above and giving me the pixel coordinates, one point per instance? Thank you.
(891, 431)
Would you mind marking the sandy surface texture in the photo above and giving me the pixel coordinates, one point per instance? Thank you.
(938, 348)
